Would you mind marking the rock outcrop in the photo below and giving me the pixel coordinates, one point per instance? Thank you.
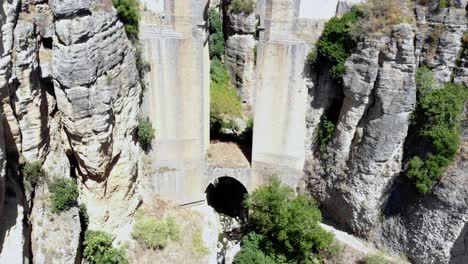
(366, 149)
(240, 52)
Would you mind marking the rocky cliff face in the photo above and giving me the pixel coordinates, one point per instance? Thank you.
(240, 52)
(359, 180)
(70, 97)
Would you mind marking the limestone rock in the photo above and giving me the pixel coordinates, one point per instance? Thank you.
(369, 139)
(240, 60)
(241, 22)
(433, 229)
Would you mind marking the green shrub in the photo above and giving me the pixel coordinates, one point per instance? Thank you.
(145, 132)
(325, 133)
(288, 224)
(216, 39)
(98, 249)
(243, 6)
(251, 252)
(443, 4)
(129, 15)
(33, 174)
(224, 100)
(439, 115)
(64, 194)
(154, 234)
(336, 43)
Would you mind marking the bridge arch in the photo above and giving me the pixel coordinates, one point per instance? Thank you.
(226, 195)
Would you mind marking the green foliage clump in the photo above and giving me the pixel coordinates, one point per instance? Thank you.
(243, 6)
(224, 101)
(129, 15)
(439, 114)
(287, 226)
(325, 133)
(33, 174)
(443, 4)
(251, 252)
(336, 43)
(216, 39)
(64, 194)
(145, 132)
(154, 234)
(98, 249)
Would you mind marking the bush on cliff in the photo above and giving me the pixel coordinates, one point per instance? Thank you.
(283, 226)
(129, 15)
(145, 132)
(33, 174)
(243, 6)
(216, 39)
(336, 43)
(438, 116)
(64, 194)
(154, 233)
(98, 249)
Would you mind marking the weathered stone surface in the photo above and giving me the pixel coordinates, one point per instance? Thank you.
(242, 22)
(70, 7)
(433, 229)
(444, 45)
(240, 60)
(2, 162)
(370, 137)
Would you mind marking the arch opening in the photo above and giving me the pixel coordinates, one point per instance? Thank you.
(226, 196)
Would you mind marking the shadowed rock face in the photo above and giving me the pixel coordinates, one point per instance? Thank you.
(69, 90)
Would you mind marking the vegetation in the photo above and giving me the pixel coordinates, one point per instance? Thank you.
(216, 40)
(98, 249)
(145, 132)
(33, 174)
(84, 217)
(378, 17)
(224, 100)
(341, 33)
(243, 6)
(198, 246)
(129, 15)
(375, 259)
(283, 227)
(439, 116)
(64, 194)
(336, 43)
(154, 234)
(325, 133)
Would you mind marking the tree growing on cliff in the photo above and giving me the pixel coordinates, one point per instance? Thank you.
(284, 226)
(33, 174)
(243, 6)
(129, 15)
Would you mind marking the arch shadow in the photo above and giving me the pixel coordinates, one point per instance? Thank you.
(226, 196)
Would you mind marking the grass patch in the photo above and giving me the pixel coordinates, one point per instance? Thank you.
(225, 102)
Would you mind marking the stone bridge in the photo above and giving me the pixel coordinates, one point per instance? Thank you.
(174, 37)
